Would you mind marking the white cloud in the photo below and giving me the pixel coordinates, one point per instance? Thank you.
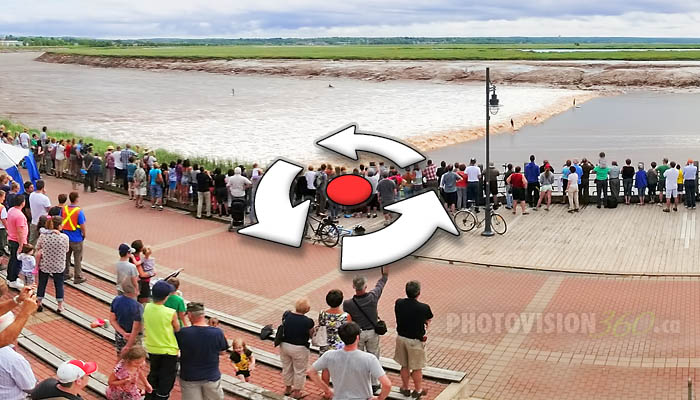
(313, 18)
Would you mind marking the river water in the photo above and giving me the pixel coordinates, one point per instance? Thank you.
(643, 126)
(195, 113)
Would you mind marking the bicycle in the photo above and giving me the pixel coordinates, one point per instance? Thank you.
(466, 220)
(325, 231)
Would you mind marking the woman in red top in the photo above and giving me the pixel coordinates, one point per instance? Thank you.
(519, 183)
(462, 187)
(67, 148)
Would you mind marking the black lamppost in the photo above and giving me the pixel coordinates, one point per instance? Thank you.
(491, 108)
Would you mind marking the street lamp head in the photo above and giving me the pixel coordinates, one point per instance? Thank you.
(493, 103)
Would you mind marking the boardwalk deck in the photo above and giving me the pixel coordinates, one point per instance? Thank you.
(628, 240)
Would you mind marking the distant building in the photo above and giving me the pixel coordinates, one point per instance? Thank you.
(10, 43)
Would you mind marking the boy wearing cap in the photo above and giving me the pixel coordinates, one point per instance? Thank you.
(126, 271)
(72, 378)
(160, 324)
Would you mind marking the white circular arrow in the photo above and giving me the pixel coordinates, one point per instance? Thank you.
(278, 221)
(421, 216)
(348, 140)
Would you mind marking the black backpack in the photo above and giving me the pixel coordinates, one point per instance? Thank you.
(611, 202)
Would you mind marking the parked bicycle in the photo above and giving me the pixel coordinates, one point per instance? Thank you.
(325, 230)
(466, 220)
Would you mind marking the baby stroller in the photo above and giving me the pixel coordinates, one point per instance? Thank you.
(237, 212)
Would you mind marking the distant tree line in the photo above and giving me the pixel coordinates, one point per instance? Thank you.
(337, 41)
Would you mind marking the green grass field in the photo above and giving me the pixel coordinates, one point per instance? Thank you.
(396, 52)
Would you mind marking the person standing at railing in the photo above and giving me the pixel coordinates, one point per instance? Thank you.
(601, 184)
(532, 174)
(565, 180)
(661, 170)
(430, 174)
(681, 183)
(614, 180)
(473, 173)
(572, 189)
(491, 188)
(546, 186)
(519, 183)
(585, 181)
(462, 188)
(690, 172)
(509, 187)
(671, 181)
(448, 186)
(652, 181)
(628, 180)
(640, 182)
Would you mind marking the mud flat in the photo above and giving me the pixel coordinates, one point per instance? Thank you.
(568, 74)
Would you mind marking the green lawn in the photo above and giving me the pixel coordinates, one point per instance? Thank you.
(396, 52)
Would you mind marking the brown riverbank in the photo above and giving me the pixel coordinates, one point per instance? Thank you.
(587, 74)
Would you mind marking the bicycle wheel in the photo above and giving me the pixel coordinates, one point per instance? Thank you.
(465, 220)
(498, 224)
(330, 235)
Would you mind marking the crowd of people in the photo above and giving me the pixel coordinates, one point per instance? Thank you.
(530, 187)
(141, 174)
(460, 185)
(347, 334)
(160, 338)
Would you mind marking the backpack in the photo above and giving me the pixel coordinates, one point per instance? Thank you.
(159, 178)
(611, 202)
(319, 180)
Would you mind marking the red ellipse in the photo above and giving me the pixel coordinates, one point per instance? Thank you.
(349, 190)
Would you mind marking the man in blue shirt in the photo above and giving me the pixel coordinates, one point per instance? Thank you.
(74, 227)
(532, 174)
(200, 347)
(579, 171)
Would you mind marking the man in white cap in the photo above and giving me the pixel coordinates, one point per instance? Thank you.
(16, 376)
(71, 379)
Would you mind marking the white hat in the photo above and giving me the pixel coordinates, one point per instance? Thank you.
(6, 320)
(71, 371)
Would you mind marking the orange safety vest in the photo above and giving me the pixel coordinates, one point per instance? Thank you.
(70, 218)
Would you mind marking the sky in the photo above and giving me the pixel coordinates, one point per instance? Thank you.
(374, 18)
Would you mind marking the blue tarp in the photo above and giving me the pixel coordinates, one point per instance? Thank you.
(32, 169)
(16, 176)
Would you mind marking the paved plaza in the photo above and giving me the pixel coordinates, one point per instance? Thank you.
(523, 332)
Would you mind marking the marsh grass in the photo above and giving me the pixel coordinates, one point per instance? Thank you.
(398, 52)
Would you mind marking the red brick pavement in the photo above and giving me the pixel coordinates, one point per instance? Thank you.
(538, 365)
(265, 376)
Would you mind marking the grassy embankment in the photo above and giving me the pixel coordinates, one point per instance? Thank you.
(100, 146)
(404, 52)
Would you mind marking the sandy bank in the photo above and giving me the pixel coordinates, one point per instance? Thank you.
(435, 140)
(558, 73)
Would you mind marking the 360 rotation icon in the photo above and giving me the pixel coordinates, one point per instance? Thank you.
(420, 216)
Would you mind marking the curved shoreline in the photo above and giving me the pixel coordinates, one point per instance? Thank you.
(432, 141)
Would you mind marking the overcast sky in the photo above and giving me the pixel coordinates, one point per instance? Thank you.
(317, 18)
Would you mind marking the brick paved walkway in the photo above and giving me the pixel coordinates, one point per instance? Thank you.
(593, 336)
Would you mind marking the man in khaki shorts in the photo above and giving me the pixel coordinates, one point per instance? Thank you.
(412, 319)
